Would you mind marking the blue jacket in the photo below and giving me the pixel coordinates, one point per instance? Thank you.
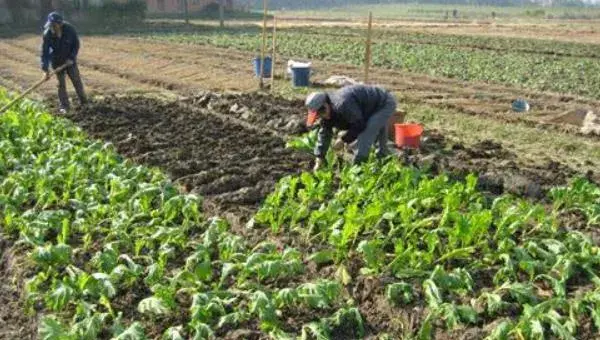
(59, 50)
(352, 106)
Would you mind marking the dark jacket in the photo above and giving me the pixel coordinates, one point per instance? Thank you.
(352, 106)
(58, 51)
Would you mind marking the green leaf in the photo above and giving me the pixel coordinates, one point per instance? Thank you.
(153, 305)
(343, 276)
(279, 334)
(372, 252)
(233, 319)
(90, 327)
(286, 297)
(61, 296)
(399, 293)
(53, 255)
(52, 329)
(315, 330)
(501, 332)
(467, 314)
(537, 329)
(173, 333)
(432, 294)
(202, 331)
(426, 330)
(134, 332)
(109, 289)
(323, 257)
(494, 303)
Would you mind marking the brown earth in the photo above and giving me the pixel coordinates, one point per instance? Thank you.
(500, 170)
(118, 64)
(14, 322)
(212, 156)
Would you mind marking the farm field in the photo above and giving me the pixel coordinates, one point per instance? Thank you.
(437, 13)
(180, 203)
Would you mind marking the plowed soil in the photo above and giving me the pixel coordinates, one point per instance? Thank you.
(118, 64)
(499, 170)
(227, 163)
(230, 148)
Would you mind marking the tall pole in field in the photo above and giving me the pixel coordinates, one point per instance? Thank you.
(185, 11)
(222, 13)
(274, 53)
(264, 43)
(368, 48)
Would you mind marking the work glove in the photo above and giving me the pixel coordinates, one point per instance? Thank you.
(69, 62)
(318, 164)
(338, 145)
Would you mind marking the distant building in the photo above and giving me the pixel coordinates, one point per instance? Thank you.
(176, 6)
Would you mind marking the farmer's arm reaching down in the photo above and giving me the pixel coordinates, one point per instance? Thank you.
(324, 140)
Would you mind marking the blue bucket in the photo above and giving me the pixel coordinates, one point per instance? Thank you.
(301, 76)
(267, 68)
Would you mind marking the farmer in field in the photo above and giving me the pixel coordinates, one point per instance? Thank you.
(60, 46)
(362, 110)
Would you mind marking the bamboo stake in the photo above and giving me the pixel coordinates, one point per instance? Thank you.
(264, 42)
(368, 48)
(273, 68)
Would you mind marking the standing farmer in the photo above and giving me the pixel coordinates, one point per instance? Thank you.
(60, 46)
(362, 110)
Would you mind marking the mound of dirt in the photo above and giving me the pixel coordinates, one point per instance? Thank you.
(265, 111)
(499, 170)
(224, 162)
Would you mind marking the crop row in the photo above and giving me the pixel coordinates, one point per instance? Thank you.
(117, 252)
(497, 43)
(434, 57)
(471, 259)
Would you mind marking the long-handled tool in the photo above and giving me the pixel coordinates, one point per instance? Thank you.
(29, 90)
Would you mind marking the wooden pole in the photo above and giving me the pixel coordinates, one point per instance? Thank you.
(368, 48)
(274, 53)
(264, 43)
(185, 11)
(222, 13)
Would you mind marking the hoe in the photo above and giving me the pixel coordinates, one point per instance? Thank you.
(29, 90)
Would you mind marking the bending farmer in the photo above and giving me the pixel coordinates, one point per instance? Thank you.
(60, 46)
(362, 110)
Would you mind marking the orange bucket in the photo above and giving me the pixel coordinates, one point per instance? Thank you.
(408, 135)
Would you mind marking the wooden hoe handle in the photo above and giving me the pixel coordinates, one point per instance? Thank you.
(29, 90)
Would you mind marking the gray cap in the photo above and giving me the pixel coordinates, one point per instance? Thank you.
(316, 100)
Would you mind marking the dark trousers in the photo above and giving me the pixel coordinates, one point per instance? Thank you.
(63, 97)
(376, 132)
